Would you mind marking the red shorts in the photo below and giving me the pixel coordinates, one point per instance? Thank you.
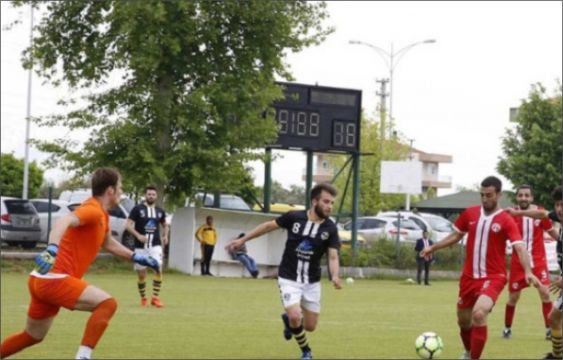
(517, 279)
(48, 295)
(470, 289)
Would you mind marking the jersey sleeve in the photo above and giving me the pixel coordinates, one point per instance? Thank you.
(553, 217)
(461, 223)
(285, 220)
(88, 215)
(134, 214)
(334, 239)
(512, 231)
(163, 217)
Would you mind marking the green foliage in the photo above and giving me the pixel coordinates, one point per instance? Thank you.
(533, 149)
(195, 80)
(383, 254)
(11, 177)
(374, 150)
(294, 195)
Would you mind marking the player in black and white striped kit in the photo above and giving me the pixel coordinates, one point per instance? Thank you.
(144, 223)
(310, 234)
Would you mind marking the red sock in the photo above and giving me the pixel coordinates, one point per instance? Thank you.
(15, 343)
(466, 337)
(546, 309)
(509, 315)
(98, 322)
(478, 340)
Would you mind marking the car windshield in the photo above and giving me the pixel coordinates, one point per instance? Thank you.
(407, 224)
(231, 202)
(20, 207)
(128, 204)
(439, 224)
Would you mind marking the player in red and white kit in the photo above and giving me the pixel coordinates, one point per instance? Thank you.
(484, 274)
(532, 235)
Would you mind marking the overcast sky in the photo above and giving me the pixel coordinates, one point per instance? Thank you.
(452, 97)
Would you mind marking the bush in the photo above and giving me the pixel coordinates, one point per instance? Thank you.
(383, 254)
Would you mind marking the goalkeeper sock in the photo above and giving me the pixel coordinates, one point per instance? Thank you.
(142, 285)
(16, 343)
(156, 284)
(556, 342)
(301, 337)
(98, 322)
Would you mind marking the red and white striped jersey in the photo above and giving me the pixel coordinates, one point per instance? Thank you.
(486, 241)
(532, 236)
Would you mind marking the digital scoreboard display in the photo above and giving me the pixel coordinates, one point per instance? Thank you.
(318, 118)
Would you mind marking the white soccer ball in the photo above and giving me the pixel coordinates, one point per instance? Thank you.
(428, 345)
(349, 281)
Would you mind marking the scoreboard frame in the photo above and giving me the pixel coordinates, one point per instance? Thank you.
(318, 118)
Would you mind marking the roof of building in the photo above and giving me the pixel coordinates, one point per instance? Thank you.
(457, 202)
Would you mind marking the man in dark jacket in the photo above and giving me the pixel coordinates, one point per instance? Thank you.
(423, 261)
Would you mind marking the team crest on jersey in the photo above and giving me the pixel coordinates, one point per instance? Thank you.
(324, 235)
(537, 222)
(286, 296)
(495, 227)
(142, 212)
(515, 285)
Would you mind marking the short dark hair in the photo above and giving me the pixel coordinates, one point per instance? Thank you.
(556, 194)
(492, 181)
(102, 178)
(525, 186)
(150, 187)
(319, 188)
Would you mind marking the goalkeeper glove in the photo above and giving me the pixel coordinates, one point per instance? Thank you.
(146, 261)
(46, 259)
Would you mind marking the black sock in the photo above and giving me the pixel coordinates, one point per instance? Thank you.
(301, 338)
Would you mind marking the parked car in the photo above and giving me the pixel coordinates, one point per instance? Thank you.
(227, 201)
(19, 223)
(346, 237)
(59, 208)
(376, 227)
(437, 226)
(118, 215)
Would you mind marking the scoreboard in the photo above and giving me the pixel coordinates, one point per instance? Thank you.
(318, 118)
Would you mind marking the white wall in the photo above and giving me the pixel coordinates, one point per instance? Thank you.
(185, 254)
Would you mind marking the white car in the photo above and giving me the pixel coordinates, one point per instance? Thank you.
(118, 215)
(59, 208)
(437, 226)
(376, 227)
(227, 201)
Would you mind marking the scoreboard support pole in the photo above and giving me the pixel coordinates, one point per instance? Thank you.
(355, 202)
(308, 179)
(267, 179)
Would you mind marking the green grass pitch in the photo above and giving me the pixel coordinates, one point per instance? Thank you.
(240, 318)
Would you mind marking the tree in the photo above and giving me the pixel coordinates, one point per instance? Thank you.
(532, 150)
(11, 177)
(371, 200)
(196, 79)
(295, 195)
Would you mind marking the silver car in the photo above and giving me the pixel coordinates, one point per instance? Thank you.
(19, 223)
(375, 227)
(59, 208)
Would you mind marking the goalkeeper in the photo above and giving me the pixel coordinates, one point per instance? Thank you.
(57, 281)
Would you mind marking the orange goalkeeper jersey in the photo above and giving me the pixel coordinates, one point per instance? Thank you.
(80, 245)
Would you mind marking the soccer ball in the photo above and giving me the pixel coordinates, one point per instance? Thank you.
(349, 281)
(428, 345)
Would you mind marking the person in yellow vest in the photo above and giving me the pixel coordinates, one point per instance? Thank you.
(207, 237)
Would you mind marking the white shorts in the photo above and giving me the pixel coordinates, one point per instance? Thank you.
(307, 295)
(155, 252)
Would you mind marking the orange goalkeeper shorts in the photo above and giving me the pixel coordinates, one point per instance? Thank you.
(48, 295)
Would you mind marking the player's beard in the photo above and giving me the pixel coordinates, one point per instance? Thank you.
(319, 212)
(491, 206)
(150, 201)
(524, 205)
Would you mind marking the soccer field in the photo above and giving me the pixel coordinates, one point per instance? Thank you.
(240, 318)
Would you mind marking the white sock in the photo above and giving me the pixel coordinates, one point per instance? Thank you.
(84, 352)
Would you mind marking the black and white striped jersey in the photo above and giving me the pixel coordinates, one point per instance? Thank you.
(306, 243)
(559, 247)
(147, 220)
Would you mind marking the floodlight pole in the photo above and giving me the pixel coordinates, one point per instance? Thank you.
(27, 120)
